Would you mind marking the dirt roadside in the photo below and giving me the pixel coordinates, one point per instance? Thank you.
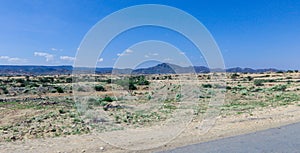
(225, 126)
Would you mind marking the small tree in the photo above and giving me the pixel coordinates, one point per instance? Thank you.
(141, 80)
(60, 90)
(131, 86)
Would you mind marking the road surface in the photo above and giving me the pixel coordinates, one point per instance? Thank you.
(284, 139)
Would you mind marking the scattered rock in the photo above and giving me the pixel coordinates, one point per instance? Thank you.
(13, 138)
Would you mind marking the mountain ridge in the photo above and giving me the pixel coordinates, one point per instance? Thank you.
(163, 68)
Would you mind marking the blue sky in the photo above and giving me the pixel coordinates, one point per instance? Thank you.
(256, 33)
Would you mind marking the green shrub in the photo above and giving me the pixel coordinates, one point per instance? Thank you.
(279, 88)
(142, 81)
(234, 76)
(5, 91)
(34, 85)
(108, 81)
(127, 83)
(92, 100)
(20, 80)
(69, 80)
(259, 82)
(228, 88)
(108, 99)
(62, 111)
(249, 78)
(244, 92)
(46, 79)
(59, 90)
(132, 86)
(271, 80)
(53, 91)
(238, 87)
(80, 89)
(99, 88)
(206, 85)
(178, 97)
(256, 90)
(26, 90)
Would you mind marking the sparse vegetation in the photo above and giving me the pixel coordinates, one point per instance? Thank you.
(245, 93)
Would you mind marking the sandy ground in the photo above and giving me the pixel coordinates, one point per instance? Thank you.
(225, 126)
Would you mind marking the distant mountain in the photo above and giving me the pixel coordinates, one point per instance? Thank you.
(163, 68)
(166, 68)
(201, 69)
(249, 70)
(158, 69)
(34, 70)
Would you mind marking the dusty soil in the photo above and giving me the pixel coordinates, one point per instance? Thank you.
(225, 126)
(280, 108)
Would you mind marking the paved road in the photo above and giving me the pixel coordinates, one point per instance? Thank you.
(285, 139)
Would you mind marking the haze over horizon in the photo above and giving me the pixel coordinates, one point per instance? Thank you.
(254, 34)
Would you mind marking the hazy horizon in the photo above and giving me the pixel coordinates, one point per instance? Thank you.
(149, 66)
